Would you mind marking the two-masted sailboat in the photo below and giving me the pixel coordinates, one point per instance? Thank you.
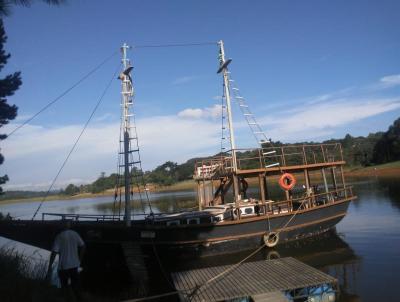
(301, 192)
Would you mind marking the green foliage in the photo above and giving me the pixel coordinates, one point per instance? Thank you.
(387, 148)
(8, 85)
(358, 151)
(9, 195)
(166, 174)
(103, 183)
(6, 5)
(71, 190)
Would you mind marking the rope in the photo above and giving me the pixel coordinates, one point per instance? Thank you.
(228, 270)
(63, 94)
(76, 141)
(291, 218)
(175, 45)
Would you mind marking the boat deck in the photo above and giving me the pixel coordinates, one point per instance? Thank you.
(252, 279)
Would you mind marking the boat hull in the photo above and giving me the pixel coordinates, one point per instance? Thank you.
(229, 236)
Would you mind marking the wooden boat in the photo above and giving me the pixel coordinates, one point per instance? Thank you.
(312, 199)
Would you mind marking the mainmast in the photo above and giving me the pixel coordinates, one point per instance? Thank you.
(127, 94)
(224, 69)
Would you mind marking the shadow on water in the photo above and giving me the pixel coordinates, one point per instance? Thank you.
(329, 253)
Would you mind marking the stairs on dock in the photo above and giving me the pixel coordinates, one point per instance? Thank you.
(134, 258)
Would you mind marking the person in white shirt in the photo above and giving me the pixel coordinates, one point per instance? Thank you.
(70, 248)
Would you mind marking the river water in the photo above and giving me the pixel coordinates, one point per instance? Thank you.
(364, 255)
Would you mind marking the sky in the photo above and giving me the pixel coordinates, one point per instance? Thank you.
(309, 70)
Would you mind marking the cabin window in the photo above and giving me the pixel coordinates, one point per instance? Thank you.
(216, 218)
(193, 221)
(173, 222)
(247, 211)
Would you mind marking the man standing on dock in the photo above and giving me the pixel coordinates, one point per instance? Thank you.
(70, 248)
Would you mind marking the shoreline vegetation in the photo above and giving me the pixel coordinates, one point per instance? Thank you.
(385, 170)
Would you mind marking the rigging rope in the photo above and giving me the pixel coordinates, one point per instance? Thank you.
(64, 93)
(77, 140)
(174, 45)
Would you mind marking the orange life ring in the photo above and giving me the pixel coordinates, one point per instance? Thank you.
(287, 181)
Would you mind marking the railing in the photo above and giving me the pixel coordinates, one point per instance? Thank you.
(292, 155)
(103, 217)
(307, 202)
(210, 167)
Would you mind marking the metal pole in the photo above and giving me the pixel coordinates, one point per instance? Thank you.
(230, 123)
(126, 91)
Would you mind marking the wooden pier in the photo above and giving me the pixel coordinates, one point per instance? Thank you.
(266, 280)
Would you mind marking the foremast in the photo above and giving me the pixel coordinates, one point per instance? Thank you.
(127, 102)
(224, 70)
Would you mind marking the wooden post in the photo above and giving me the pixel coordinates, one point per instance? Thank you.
(323, 153)
(199, 195)
(304, 156)
(267, 197)
(325, 182)
(307, 179)
(334, 177)
(262, 187)
(343, 181)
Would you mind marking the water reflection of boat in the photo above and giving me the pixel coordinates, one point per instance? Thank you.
(222, 223)
(327, 249)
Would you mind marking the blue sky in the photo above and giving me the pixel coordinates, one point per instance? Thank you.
(337, 62)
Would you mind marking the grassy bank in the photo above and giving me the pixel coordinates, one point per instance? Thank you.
(21, 281)
(387, 170)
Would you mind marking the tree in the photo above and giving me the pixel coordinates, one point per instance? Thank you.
(8, 86)
(71, 189)
(11, 82)
(5, 5)
(387, 148)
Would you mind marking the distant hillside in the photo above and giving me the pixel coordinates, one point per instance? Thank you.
(24, 194)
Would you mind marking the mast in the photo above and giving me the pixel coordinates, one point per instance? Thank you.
(224, 69)
(127, 93)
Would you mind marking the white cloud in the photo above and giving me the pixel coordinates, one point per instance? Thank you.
(197, 113)
(313, 121)
(35, 153)
(183, 80)
(23, 117)
(390, 80)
